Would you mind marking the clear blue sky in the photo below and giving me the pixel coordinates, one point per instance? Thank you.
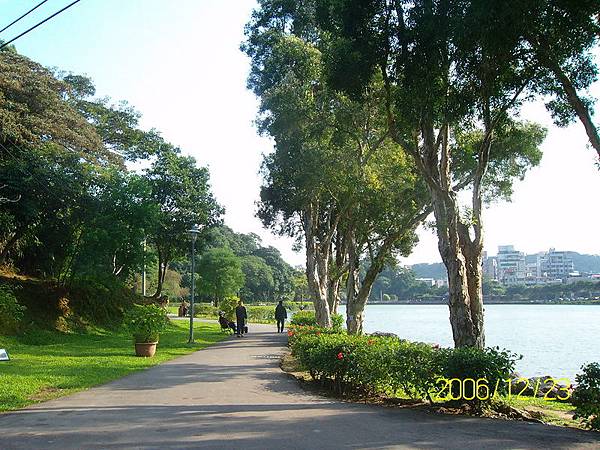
(178, 62)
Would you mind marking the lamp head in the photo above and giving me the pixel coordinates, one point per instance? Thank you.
(194, 232)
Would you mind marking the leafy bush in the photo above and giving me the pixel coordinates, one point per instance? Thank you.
(384, 365)
(146, 322)
(359, 363)
(307, 318)
(11, 312)
(228, 306)
(261, 313)
(337, 321)
(586, 396)
(205, 309)
(414, 369)
(304, 318)
(100, 303)
(491, 364)
(296, 332)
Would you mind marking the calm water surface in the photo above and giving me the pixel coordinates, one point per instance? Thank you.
(553, 339)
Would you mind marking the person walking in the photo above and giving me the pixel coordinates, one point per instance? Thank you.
(240, 315)
(280, 316)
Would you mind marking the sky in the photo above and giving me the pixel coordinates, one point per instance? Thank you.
(179, 64)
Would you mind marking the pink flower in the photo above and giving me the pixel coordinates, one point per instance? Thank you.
(290, 333)
(340, 355)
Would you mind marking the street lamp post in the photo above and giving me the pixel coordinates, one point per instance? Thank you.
(144, 267)
(193, 234)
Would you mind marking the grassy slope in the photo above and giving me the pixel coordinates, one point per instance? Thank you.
(66, 363)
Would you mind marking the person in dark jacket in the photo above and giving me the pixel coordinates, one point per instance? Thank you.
(240, 315)
(280, 316)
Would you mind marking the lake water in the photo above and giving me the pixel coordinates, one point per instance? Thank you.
(553, 339)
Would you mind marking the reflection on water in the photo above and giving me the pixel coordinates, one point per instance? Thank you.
(553, 339)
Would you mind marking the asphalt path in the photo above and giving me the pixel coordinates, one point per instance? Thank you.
(233, 395)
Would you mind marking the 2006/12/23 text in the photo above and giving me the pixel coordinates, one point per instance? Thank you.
(471, 389)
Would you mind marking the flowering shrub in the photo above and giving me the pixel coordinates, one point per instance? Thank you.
(349, 362)
(391, 366)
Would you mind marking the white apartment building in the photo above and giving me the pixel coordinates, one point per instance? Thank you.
(556, 265)
(511, 265)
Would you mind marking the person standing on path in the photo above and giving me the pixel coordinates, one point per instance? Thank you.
(240, 315)
(280, 316)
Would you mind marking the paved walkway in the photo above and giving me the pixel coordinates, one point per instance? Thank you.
(233, 396)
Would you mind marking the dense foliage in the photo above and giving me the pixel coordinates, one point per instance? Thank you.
(146, 322)
(11, 312)
(73, 214)
(586, 397)
(307, 318)
(391, 366)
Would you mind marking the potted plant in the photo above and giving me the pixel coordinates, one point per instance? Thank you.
(145, 322)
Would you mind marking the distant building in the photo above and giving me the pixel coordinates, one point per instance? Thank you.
(489, 267)
(511, 265)
(441, 283)
(556, 265)
(429, 281)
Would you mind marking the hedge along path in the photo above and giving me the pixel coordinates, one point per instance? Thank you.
(233, 394)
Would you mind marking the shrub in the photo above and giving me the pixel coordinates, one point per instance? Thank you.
(414, 369)
(337, 321)
(491, 364)
(11, 312)
(586, 396)
(304, 318)
(228, 306)
(307, 318)
(205, 309)
(146, 322)
(370, 364)
(260, 313)
(296, 332)
(359, 363)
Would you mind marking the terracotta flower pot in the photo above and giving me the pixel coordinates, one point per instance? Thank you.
(147, 349)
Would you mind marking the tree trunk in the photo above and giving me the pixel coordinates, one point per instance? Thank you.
(316, 273)
(333, 295)
(358, 291)
(460, 303)
(162, 268)
(354, 312)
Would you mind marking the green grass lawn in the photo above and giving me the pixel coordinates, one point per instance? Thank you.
(47, 365)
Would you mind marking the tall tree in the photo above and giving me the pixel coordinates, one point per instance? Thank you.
(327, 180)
(451, 92)
(259, 283)
(34, 110)
(453, 87)
(183, 192)
(220, 274)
